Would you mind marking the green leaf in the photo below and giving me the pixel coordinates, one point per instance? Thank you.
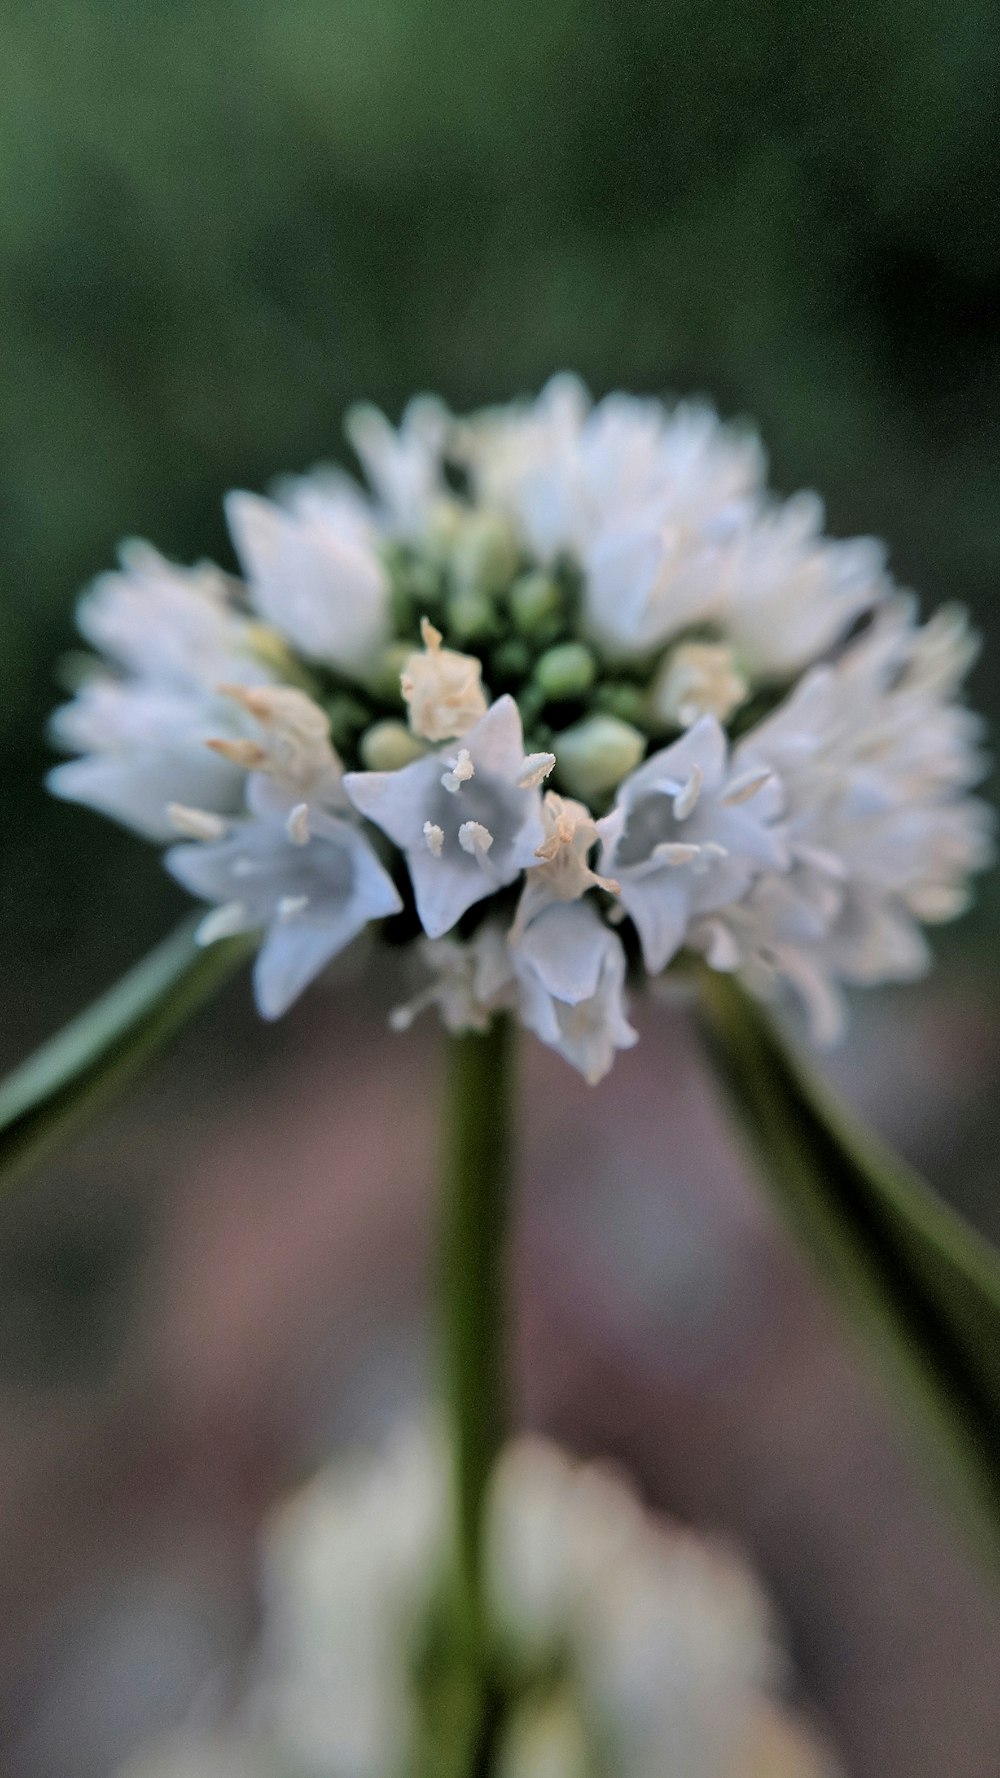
(44, 1099)
(915, 1275)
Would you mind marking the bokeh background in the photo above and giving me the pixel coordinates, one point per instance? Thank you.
(219, 224)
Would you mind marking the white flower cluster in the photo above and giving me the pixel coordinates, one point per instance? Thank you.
(628, 1647)
(566, 687)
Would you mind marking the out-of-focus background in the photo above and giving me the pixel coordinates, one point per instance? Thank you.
(219, 224)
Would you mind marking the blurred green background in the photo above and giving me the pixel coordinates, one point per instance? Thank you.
(221, 222)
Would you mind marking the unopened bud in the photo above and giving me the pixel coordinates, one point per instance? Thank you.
(472, 614)
(566, 671)
(486, 554)
(627, 702)
(388, 745)
(535, 603)
(595, 755)
(383, 680)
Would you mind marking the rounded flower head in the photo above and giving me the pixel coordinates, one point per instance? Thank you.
(566, 694)
(631, 1636)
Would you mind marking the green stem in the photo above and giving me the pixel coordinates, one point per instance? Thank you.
(100, 1051)
(477, 1189)
(916, 1278)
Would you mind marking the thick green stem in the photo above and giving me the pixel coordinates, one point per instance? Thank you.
(475, 1215)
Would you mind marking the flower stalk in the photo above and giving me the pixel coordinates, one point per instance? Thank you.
(478, 1157)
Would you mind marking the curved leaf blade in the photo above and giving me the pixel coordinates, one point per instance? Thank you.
(45, 1098)
(919, 1280)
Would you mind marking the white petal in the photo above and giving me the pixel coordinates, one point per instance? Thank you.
(659, 905)
(136, 790)
(565, 947)
(292, 956)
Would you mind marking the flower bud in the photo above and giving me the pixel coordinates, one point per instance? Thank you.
(486, 554)
(627, 702)
(347, 715)
(472, 614)
(535, 603)
(566, 671)
(512, 659)
(388, 745)
(697, 679)
(595, 755)
(383, 680)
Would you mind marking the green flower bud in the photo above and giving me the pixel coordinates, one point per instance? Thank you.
(383, 680)
(486, 554)
(347, 715)
(628, 702)
(531, 703)
(512, 659)
(535, 603)
(566, 671)
(472, 615)
(388, 745)
(595, 755)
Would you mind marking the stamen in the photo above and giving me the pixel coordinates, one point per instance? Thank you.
(297, 825)
(747, 785)
(240, 753)
(429, 636)
(433, 837)
(196, 824)
(535, 770)
(223, 922)
(687, 796)
(402, 1017)
(462, 769)
(474, 838)
(676, 852)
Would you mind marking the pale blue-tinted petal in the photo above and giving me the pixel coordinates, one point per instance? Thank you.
(659, 906)
(703, 746)
(443, 890)
(395, 801)
(564, 947)
(293, 954)
(135, 791)
(496, 743)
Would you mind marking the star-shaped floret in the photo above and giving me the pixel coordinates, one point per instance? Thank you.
(465, 834)
(310, 882)
(561, 871)
(570, 971)
(686, 836)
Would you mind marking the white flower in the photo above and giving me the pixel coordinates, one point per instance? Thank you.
(620, 570)
(442, 688)
(562, 872)
(172, 635)
(572, 475)
(404, 466)
(570, 971)
(784, 593)
(294, 746)
(313, 568)
(687, 835)
(649, 1644)
(697, 679)
(875, 761)
(309, 887)
(460, 845)
(470, 981)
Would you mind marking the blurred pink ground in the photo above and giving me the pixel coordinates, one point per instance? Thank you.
(661, 1316)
